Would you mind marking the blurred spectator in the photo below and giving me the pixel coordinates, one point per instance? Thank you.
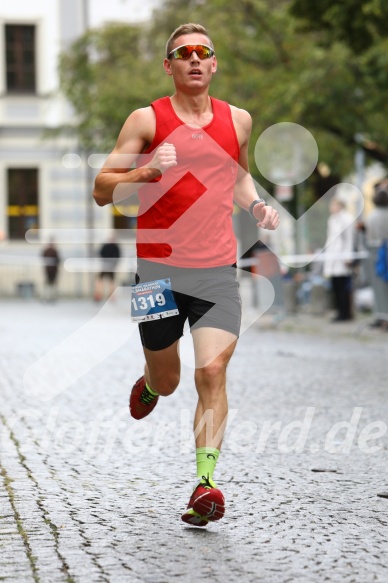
(376, 230)
(110, 254)
(338, 263)
(51, 267)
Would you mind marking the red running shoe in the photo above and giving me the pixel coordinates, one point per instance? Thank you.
(141, 402)
(206, 504)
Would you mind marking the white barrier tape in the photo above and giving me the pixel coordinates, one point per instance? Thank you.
(71, 264)
(307, 258)
(76, 264)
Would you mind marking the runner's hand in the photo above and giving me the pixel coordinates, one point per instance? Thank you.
(267, 216)
(164, 158)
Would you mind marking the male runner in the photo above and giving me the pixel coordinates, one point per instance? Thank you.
(191, 152)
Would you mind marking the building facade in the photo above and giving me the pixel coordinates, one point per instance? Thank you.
(45, 180)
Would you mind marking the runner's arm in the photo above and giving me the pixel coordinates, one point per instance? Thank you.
(245, 191)
(136, 134)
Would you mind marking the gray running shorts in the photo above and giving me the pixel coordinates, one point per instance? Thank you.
(206, 297)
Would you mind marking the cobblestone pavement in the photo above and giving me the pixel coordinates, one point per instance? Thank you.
(90, 495)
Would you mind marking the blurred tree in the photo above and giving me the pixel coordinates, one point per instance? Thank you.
(357, 23)
(106, 74)
(360, 28)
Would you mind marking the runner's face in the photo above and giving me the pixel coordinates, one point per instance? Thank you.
(193, 73)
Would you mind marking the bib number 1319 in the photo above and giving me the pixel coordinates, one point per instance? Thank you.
(147, 302)
(152, 300)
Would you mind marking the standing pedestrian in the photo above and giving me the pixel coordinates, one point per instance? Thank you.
(194, 163)
(376, 231)
(110, 254)
(338, 258)
(51, 260)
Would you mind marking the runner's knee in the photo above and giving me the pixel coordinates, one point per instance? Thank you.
(165, 385)
(210, 375)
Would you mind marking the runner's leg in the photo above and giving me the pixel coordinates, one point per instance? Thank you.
(162, 369)
(213, 349)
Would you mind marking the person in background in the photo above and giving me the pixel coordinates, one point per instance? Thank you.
(51, 260)
(337, 264)
(110, 254)
(376, 231)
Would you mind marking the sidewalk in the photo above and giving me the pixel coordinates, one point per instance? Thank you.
(305, 323)
(90, 495)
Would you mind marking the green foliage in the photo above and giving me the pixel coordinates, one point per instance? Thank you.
(358, 27)
(106, 75)
(356, 23)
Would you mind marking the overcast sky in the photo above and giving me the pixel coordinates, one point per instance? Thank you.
(122, 10)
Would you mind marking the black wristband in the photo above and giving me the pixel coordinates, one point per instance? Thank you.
(252, 205)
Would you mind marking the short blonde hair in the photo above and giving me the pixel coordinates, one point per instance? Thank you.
(188, 28)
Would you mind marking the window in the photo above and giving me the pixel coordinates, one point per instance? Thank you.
(20, 58)
(23, 207)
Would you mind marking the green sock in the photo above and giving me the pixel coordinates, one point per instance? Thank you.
(151, 391)
(206, 461)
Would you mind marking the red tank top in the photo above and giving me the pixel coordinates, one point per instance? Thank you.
(185, 217)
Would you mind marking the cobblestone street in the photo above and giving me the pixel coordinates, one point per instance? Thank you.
(90, 495)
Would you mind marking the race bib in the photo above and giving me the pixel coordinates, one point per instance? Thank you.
(152, 300)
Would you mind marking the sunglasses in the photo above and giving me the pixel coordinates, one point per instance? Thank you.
(185, 52)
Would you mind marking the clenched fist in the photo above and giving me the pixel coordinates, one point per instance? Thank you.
(164, 158)
(267, 216)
